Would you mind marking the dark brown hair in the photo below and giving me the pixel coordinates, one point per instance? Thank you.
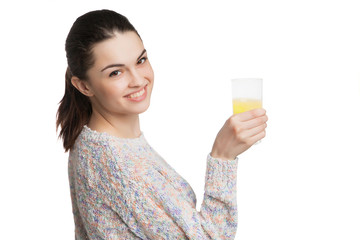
(75, 108)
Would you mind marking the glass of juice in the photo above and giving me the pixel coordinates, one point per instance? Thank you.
(246, 94)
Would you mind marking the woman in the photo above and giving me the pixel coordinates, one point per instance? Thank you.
(120, 187)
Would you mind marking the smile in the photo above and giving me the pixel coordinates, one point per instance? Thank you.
(138, 96)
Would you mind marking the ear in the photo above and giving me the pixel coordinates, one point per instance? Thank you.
(82, 86)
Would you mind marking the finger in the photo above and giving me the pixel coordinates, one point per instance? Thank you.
(255, 122)
(248, 115)
(252, 132)
(257, 137)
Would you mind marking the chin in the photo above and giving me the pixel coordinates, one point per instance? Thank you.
(142, 108)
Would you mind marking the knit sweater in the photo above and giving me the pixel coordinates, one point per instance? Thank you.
(121, 188)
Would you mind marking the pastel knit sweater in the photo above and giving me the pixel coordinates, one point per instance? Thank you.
(121, 188)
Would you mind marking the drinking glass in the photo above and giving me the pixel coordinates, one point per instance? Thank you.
(246, 94)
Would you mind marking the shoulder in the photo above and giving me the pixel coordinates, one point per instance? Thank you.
(100, 148)
(89, 145)
(101, 153)
(92, 151)
(94, 159)
(99, 143)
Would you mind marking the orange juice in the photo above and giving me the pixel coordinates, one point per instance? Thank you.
(245, 104)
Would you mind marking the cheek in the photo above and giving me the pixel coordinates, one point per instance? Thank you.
(149, 73)
(112, 90)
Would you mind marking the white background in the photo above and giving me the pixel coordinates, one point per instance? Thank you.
(301, 182)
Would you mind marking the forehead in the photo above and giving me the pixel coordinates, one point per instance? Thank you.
(123, 48)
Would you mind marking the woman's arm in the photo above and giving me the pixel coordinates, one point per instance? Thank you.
(153, 209)
(219, 206)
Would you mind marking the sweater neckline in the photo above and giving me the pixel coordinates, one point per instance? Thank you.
(95, 135)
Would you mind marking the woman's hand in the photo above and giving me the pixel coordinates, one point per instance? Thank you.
(239, 133)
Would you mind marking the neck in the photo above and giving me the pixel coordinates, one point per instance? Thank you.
(123, 126)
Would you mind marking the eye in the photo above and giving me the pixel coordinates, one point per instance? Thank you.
(115, 73)
(142, 60)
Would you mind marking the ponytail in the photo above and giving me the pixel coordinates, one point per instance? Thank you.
(73, 113)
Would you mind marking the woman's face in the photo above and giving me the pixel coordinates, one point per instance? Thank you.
(121, 78)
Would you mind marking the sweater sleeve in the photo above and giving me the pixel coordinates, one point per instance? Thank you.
(152, 208)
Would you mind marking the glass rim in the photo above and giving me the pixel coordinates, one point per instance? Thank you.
(249, 78)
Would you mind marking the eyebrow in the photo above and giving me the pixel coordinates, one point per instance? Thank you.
(120, 64)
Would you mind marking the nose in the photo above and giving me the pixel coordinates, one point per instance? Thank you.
(136, 79)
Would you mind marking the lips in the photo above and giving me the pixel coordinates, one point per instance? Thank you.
(138, 95)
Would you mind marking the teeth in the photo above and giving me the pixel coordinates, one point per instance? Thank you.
(138, 94)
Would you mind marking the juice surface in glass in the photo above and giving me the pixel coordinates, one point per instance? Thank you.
(245, 104)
